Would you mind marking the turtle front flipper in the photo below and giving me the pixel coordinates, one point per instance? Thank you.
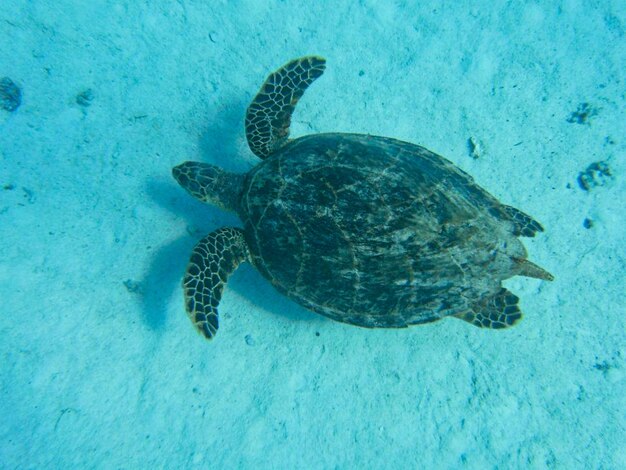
(495, 312)
(213, 259)
(269, 115)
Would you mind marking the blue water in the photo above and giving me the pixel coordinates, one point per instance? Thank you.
(99, 364)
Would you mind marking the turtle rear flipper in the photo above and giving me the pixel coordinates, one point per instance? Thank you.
(213, 259)
(495, 312)
(269, 115)
(523, 224)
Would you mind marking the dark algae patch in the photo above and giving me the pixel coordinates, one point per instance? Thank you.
(605, 366)
(596, 174)
(583, 114)
(10, 95)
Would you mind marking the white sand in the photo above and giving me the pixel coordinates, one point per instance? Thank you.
(93, 375)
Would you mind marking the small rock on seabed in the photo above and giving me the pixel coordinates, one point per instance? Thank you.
(10, 95)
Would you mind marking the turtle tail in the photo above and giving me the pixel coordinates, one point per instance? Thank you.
(530, 269)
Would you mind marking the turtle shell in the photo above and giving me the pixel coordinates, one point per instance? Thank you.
(374, 231)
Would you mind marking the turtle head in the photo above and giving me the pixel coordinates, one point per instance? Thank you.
(210, 184)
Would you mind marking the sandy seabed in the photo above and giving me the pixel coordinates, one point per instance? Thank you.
(100, 367)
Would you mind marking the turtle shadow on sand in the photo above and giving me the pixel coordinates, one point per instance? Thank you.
(162, 280)
(218, 141)
(249, 283)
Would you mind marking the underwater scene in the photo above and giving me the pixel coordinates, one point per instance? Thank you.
(312, 235)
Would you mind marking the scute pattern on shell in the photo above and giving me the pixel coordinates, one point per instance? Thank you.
(374, 231)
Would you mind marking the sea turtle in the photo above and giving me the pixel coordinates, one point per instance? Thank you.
(366, 230)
